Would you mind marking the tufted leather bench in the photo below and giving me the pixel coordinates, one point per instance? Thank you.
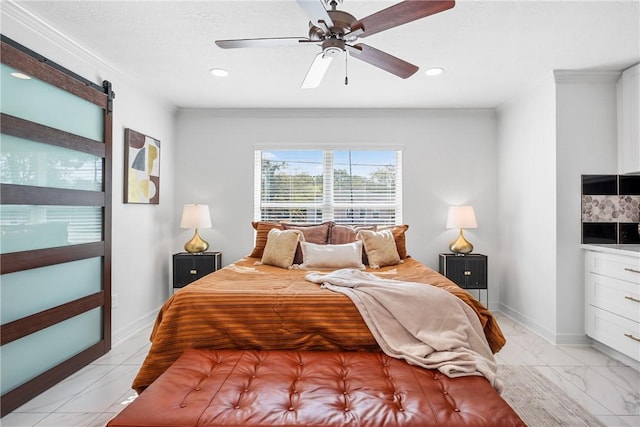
(311, 388)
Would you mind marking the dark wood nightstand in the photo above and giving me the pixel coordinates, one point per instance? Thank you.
(189, 267)
(467, 271)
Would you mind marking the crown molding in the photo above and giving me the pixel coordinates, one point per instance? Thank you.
(585, 76)
(23, 18)
(22, 22)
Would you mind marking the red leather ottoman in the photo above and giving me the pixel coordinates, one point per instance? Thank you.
(311, 388)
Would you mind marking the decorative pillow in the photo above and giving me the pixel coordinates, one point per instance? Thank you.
(281, 247)
(313, 233)
(399, 236)
(380, 247)
(341, 234)
(262, 229)
(332, 256)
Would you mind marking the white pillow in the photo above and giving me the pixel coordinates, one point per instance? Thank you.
(380, 247)
(281, 247)
(331, 256)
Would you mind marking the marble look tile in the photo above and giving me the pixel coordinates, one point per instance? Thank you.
(514, 354)
(624, 376)
(551, 355)
(589, 355)
(17, 419)
(104, 393)
(103, 419)
(138, 357)
(62, 419)
(125, 349)
(66, 390)
(583, 399)
(617, 399)
(614, 421)
(125, 399)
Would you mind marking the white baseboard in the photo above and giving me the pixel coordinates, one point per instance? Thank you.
(133, 327)
(528, 323)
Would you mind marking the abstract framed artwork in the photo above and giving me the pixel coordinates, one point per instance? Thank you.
(142, 168)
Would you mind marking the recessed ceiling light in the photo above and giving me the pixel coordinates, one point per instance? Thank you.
(219, 72)
(434, 71)
(22, 76)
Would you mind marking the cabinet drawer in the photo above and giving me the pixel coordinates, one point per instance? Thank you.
(618, 333)
(616, 296)
(618, 266)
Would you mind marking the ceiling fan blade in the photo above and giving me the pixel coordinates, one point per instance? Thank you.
(317, 70)
(265, 42)
(316, 12)
(382, 60)
(398, 14)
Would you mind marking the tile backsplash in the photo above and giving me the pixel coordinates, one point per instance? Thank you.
(610, 209)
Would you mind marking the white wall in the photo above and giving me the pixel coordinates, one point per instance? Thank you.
(142, 234)
(449, 157)
(527, 204)
(561, 127)
(586, 135)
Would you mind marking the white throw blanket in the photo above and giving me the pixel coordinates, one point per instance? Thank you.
(425, 325)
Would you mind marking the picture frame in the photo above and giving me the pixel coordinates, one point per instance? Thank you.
(142, 168)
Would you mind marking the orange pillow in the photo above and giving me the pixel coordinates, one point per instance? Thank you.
(262, 230)
(398, 232)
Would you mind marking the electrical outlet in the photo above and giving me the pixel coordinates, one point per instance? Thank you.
(114, 301)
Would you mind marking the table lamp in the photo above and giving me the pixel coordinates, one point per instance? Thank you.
(461, 217)
(196, 216)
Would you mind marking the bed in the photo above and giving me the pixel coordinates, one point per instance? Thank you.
(263, 307)
(286, 301)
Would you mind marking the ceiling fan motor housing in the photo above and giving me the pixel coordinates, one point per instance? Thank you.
(333, 47)
(342, 22)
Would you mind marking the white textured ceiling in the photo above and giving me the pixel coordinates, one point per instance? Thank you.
(490, 49)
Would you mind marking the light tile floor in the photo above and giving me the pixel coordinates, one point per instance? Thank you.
(92, 396)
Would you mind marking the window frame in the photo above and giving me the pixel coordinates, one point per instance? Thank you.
(328, 205)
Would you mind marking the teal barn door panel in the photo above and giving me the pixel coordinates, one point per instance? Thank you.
(55, 223)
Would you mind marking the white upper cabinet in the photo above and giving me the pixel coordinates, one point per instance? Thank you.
(629, 121)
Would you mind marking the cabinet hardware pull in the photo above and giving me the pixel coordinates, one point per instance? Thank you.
(632, 337)
(632, 299)
(467, 273)
(633, 270)
(193, 271)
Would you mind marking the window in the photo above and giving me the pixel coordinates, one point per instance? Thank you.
(348, 187)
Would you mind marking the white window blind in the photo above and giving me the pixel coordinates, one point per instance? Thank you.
(346, 186)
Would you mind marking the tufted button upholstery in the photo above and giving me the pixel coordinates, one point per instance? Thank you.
(310, 388)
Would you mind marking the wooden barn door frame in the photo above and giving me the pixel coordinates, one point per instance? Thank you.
(29, 62)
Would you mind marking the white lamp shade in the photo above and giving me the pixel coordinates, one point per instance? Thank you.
(195, 216)
(461, 217)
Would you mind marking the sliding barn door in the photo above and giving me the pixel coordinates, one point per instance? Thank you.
(55, 215)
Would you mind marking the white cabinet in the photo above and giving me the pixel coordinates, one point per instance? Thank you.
(629, 120)
(613, 300)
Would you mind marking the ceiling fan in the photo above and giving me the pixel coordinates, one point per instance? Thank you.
(335, 31)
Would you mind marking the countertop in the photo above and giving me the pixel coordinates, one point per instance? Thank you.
(632, 249)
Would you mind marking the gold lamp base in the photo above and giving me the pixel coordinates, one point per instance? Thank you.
(461, 245)
(196, 244)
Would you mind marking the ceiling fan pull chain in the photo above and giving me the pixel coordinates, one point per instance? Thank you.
(346, 69)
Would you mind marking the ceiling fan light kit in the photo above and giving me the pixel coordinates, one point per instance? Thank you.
(334, 31)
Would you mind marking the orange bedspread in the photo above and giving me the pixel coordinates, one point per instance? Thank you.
(245, 306)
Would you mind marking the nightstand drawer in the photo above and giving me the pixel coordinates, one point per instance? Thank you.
(467, 271)
(189, 267)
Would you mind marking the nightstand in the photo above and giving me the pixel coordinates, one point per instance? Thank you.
(189, 267)
(467, 271)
